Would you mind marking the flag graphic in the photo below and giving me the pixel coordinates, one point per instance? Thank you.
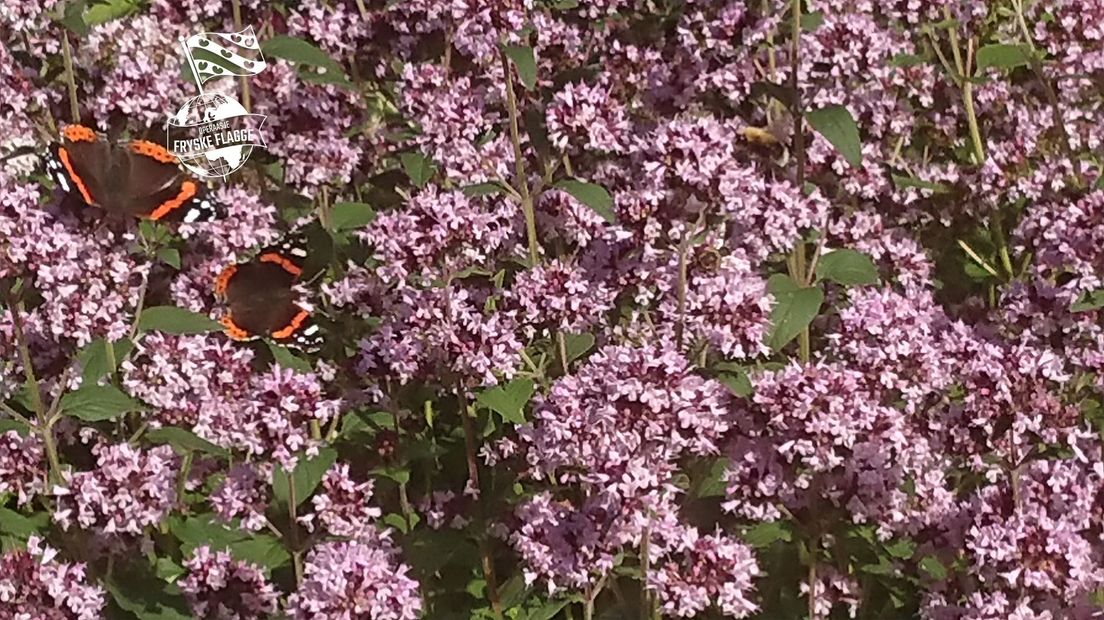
(216, 54)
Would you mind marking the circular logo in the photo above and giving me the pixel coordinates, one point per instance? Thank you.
(213, 135)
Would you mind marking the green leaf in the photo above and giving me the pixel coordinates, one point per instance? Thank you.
(738, 383)
(169, 256)
(175, 320)
(1001, 56)
(103, 12)
(418, 167)
(184, 441)
(320, 67)
(525, 59)
(20, 526)
(883, 567)
(261, 549)
(286, 359)
(95, 403)
(576, 345)
(73, 17)
(934, 568)
(205, 529)
(709, 482)
(592, 195)
(307, 475)
(812, 21)
(9, 424)
(902, 549)
(147, 597)
(1090, 300)
(837, 126)
(168, 570)
(766, 534)
(847, 267)
(351, 215)
(903, 182)
(94, 362)
(547, 611)
(906, 60)
(794, 309)
(400, 475)
(398, 522)
(483, 189)
(508, 400)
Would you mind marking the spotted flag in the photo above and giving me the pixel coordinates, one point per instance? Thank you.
(215, 54)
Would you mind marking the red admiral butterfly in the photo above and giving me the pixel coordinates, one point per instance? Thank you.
(262, 301)
(135, 179)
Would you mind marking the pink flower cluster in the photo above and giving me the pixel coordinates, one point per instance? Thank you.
(34, 584)
(631, 308)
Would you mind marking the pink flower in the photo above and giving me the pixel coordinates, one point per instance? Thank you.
(355, 580)
(130, 489)
(217, 586)
(34, 585)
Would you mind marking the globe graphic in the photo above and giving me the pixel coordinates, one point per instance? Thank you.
(205, 108)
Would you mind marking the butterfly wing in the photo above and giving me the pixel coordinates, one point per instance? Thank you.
(81, 164)
(261, 298)
(158, 189)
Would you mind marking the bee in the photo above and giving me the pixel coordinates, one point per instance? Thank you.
(760, 136)
(772, 139)
(707, 260)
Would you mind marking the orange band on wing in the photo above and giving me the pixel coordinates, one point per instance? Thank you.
(151, 149)
(64, 156)
(223, 280)
(288, 266)
(187, 191)
(233, 330)
(295, 324)
(78, 133)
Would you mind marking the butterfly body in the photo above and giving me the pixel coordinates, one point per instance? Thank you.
(136, 179)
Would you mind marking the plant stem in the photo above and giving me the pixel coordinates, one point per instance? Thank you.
(561, 343)
(1048, 88)
(522, 179)
(139, 307)
(797, 259)
(70, 78)
(592, 595)
(246, 93)
(813, 578)
(682, 276)
(324, 209)
(44, 419)
(16, 415)
(645, 565)
(404, 499)
(185, 470)
(473, 480)
(363, 9)
(971, 114)
(293, 527)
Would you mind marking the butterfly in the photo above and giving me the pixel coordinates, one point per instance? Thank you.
(262, 300)
(138, 179)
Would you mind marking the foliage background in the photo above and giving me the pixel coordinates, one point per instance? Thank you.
(634, 309)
